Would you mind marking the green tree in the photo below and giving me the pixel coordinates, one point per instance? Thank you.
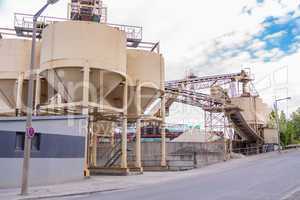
(296, 122)
(284, 138)
(288, 128)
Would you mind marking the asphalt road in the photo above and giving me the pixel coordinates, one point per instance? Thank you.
(272, 178)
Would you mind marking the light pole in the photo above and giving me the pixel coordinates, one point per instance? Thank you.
(277, 118)
(27, 147)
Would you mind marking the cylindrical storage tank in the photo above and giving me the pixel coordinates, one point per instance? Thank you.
(14, 65)
(72, 46)
(253, 109)
(147, 69)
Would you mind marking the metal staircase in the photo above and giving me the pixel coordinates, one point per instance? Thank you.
(115, 154)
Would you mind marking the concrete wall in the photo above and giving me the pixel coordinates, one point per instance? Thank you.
(180, 155)
(183, 154)
(59, 159)
(270, 136)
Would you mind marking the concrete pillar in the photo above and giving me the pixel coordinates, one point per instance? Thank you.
(37, 94)
(101, 92)
(86, 83)
(124, 133)
(50, 89)
(19, 94)
(163, 131)
(138, 159)
(85, 111)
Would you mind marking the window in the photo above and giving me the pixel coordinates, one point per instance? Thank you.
(20, 142)
(35, 142)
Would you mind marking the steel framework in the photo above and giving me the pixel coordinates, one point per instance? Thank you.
(218, 114)
(199, 83)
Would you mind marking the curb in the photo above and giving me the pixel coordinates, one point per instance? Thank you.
(70, 194)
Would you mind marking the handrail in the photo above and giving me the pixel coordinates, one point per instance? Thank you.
(22, 20)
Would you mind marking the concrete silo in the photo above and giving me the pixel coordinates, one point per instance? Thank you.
(83, 67)
(146, 77)
(83, 63)
(15, 60)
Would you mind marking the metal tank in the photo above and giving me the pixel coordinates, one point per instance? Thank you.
(15, 61)
(146, 70)
(77, 54)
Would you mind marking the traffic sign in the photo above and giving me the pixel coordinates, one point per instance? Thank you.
(30, 132)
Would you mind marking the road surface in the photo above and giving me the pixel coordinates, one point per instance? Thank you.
(272, 178)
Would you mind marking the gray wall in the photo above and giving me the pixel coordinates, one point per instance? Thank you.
(61, 155)
(180, 155)
(183, 154)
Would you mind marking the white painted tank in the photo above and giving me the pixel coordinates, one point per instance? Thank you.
(14, 65)
(149, 69)
(68, 47)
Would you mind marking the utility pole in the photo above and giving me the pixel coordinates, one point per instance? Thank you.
(27, 147)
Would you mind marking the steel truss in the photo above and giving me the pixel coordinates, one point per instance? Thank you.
(199, 83)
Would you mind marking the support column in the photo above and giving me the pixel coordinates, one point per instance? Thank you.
(163, 131)
(51, 79)
(86, 83)
(37, 94)
(124, 133)
(85, 111)
(138, 161)
(19, 94)
(101, 91)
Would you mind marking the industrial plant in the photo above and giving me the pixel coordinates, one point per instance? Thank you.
(101, 100)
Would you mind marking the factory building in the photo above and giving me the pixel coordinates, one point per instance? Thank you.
(88, 74)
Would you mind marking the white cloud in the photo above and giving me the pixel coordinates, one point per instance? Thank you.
(257, 44)
(275, 35)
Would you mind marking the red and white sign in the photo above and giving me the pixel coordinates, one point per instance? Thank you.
(30, 132)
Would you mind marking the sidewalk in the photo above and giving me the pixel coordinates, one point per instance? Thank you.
(91, 185)
(99, 184)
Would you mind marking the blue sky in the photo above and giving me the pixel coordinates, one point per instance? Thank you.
(208, 37)
(278, 37)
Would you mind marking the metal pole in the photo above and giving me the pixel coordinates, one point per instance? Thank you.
(27, 148)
